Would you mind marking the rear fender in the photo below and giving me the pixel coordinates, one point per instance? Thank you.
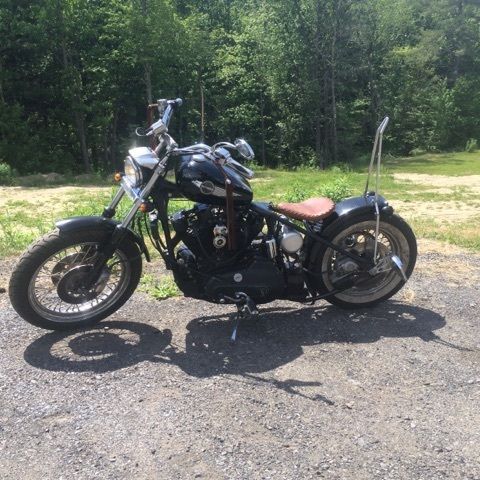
(354, 206)
(100, 223)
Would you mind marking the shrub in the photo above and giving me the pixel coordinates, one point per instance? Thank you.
(6, 174)
(298, 193)
(161, 288)
(337, 190)
(472, 145)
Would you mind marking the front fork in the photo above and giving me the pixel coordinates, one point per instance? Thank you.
(121, 231)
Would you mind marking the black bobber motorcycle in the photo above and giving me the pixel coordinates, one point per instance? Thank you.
(227, 248)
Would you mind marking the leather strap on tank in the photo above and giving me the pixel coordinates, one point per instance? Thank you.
(231, 237)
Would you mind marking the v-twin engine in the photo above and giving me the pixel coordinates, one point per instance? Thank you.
(210, 268)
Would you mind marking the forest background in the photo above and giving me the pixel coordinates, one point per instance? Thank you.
(305, 81)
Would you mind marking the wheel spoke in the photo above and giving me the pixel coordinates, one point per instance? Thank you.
(44, 287)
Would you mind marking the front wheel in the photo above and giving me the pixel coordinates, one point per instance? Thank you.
(357, 235)
(47, 287)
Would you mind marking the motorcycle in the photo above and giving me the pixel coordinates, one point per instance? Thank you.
(227, 248)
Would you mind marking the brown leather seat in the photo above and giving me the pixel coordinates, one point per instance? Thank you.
(312, 209)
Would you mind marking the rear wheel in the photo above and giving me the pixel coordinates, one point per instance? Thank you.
(357, 235)
(48, 287)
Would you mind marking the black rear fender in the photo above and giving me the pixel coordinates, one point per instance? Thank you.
(354, 206)
(100, 223)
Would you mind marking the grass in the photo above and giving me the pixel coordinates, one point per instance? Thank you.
(464, 234)
(30, 212)
(159, 288)
(452, 164)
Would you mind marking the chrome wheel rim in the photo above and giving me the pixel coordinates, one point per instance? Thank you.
(64, 269)
(391, 241)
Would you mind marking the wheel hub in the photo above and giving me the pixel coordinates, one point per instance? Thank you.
(71, 288)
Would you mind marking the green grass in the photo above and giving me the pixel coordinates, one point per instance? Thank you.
(464, 234)
(452, 164)
(24, 219)
(159, 288)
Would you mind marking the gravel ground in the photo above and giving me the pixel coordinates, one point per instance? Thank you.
(315, 392)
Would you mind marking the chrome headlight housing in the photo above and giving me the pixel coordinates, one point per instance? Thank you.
(133, 173)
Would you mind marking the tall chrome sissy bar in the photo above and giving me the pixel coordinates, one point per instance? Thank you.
(376, 151)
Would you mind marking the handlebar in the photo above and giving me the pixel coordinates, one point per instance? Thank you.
(170, 106)
(165, 108)
(241, 169)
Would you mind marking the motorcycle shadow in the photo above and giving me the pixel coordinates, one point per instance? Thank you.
(274, 338)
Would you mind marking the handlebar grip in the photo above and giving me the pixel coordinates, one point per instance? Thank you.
(178, 102)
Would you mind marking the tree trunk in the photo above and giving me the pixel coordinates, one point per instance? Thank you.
(456, 63)
(262, 127)
(332, 89)
(2, 98)
(80, 124)
(202, 109)
(147, 68)
(113, 147)
(75, 96)
(319, 151)
(318, 143)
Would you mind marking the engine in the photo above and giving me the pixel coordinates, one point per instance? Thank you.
(212, 268)
(204, 231)
(264, 266)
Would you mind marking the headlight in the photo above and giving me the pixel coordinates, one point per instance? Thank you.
(133, 174)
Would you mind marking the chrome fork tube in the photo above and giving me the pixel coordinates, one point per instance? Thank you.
(138, 197)
(109, 212)
(116, 199)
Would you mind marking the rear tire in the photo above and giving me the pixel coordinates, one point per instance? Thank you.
(395, 237)
(42, 293)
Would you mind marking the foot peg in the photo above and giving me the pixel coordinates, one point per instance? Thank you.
(246, 307)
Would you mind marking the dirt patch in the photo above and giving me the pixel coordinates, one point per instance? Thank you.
(426, 246)
(445, 184)
(44, 195)
(448, 211)
(44, 200)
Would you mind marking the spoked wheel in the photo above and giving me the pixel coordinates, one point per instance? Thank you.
(49, 287)
(395, 241)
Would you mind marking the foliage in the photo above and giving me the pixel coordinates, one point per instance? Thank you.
(298, 193)
(472, 145)
(159, 288)
(306, 82)
(6, 174)
(336, 189)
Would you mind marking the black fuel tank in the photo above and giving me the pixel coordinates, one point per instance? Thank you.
(198, 179)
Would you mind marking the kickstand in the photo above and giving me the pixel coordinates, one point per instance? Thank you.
(245, 308)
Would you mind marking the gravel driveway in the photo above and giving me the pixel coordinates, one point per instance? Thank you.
(156, 391)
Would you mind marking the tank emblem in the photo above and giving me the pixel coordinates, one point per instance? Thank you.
(207, 188)
(238, 277)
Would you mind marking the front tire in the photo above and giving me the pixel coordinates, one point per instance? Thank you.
(357, 234)
(46, 285)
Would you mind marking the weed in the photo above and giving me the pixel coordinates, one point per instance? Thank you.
(472, 145)
(297, 193)
(337, 190)
(6, 174)
(161, 288)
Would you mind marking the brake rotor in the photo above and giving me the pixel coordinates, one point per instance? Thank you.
(71, 287)
(66, 263)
